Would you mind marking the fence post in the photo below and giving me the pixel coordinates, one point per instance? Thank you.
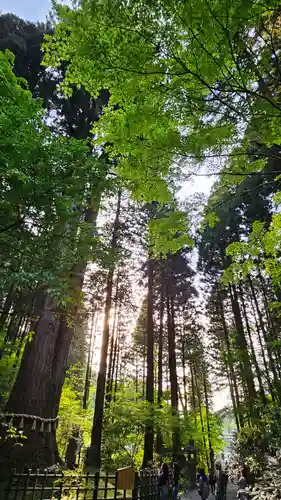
(155, 477)
(147, 482)
(86, 486)
(135, 492)
(10, 482)
(96, 486)
(61, 485)
(35, 483)
(26, 484)
(115, 486)
(105, 485)
(43, 485)
(141, 485)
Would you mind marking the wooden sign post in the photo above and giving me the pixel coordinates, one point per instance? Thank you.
(126, 478)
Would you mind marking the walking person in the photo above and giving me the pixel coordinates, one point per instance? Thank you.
(203, 485)
(225, 477)
(220, 491)
(176, 478)
(242, 486)
(212, 480)
(164, 482)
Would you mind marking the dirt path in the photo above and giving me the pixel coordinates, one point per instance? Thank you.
(193, 495)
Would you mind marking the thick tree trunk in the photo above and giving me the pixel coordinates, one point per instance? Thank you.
(94, 452)
(38, 385)
(30, 394)
(149, 431)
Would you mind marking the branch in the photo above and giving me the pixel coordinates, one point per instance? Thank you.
(11, 226)
(244, 174)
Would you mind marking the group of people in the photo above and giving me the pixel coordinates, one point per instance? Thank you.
(216, 482)
(166, 481)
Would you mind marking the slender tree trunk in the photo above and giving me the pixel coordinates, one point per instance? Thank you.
(183, 361)
(244, 360)
(230, 359)
(143, 373)
(193, 402)
(20, 307)
(201, 418)
(108, 395)
(193, 390)
(149, 432)
(115, 359)
(136, 375)
(211, 452)
(253, 354)
(94, 452)
(233, 399)
(6, 307)
(88, 367)
(180, 397)
(117, 370)
(159, 442)
(271, 325)
(265, 363)
(173, 373)
(268, 340)
(13, 328)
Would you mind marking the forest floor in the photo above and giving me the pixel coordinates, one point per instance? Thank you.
(193, 495)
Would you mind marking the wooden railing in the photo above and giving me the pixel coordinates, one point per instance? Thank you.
(63, 486)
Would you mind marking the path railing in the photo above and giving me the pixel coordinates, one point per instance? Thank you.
(63, 486)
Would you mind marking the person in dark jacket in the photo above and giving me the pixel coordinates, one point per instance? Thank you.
(212, 480)
(220, 483)
(164, 482)
(203, 485)
(176, 478)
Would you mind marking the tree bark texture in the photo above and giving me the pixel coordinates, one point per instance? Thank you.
(38, 385)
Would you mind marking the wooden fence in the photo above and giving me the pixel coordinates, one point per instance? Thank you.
(45, 486)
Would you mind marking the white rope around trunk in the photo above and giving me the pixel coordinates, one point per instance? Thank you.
(46, 424)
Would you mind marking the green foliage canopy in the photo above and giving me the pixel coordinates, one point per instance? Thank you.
(46, 181)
